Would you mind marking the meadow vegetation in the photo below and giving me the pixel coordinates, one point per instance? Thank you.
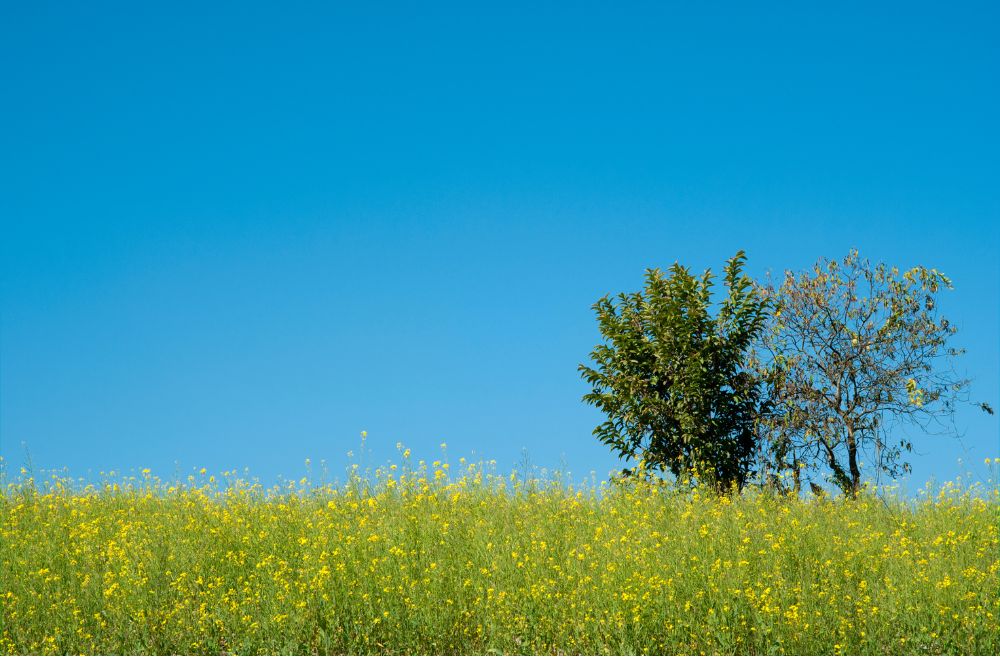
(427, 559)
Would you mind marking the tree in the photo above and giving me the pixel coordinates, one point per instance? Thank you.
(855, 350)
(674, 381)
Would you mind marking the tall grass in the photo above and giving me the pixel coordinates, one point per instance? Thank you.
(419, 563)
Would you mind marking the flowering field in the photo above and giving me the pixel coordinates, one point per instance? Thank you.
(417, 563)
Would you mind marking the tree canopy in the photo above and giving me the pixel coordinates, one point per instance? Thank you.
(674, 380)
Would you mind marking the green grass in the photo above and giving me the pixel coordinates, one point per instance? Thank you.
(420, 564)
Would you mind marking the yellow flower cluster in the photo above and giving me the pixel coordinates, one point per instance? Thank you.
(419, 562)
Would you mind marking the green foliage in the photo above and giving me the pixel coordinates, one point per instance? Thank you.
(673, 379)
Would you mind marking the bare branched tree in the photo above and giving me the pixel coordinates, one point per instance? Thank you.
(855, 350)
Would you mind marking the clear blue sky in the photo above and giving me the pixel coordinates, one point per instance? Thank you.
(237, 234)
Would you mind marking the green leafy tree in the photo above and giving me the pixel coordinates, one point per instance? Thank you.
(673, 380)
(855, 350)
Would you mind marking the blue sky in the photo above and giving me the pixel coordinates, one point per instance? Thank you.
(237, 235)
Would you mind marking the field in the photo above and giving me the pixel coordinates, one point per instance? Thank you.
(430, 560)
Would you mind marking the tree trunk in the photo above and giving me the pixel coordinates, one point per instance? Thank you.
(852, 460)
(840, 477)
